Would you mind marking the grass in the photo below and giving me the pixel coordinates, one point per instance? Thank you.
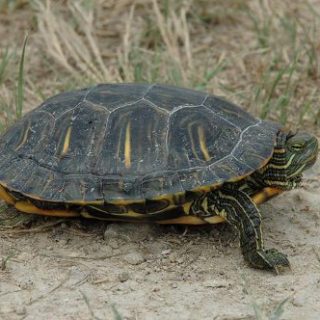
(275, 314)
(5, 260)
(6, 101)
(290, 44)
(260, 310)
(261, 54)
(261, 25)
(271, 68)
(20, 86)
(9, 108)
(9, 6)
(266, 92)
(116, 313)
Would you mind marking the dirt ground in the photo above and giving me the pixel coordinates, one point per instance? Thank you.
(80, 269)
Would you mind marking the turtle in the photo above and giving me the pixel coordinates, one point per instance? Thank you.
(140, 152)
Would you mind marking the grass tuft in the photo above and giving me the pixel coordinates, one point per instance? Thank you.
(259, 309)
(278, 310)
(9, 6)
(78, 54)
(5, 260)
(20, 87)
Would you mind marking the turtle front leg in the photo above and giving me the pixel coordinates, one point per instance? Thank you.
(241, 212)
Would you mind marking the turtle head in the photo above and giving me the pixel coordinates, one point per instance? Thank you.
(293, 154)
(302, 151)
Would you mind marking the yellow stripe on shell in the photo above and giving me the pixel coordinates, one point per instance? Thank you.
(66, 142)
(4, 195)
(128, 214)
(202, 142)
(191, 139)
(24, 139)
(193, 220)
(127, 147)
(28, 207)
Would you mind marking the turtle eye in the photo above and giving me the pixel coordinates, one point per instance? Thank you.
(297, 147)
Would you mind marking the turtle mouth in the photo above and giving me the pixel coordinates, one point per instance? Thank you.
(311, 161)
(308, 164)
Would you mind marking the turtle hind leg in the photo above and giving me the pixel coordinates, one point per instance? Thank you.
(241, 212)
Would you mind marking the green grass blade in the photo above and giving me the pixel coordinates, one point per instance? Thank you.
(117, 315)
(278, 311)
(20, 89)
(257, 311)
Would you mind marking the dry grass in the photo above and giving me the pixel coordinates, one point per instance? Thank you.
(133, 56)
(261, 54)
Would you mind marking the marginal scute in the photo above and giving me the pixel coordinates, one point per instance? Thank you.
(57, 188)
(229, 168)
(131, 143)
(201, 176)
(255, 144)
(152, 182)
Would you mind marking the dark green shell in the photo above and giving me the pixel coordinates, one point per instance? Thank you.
(131, 142)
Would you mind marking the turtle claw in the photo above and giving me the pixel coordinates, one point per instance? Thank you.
(280, 269)
(270, 259)
(277, 260)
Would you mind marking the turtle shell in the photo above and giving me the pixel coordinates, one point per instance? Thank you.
(131, 142)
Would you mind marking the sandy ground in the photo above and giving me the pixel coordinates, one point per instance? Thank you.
(75, 269)
(81, 269)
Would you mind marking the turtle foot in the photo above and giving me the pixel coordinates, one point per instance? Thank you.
(270, 259)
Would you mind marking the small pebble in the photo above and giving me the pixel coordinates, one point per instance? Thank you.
(21, 310)
(116, 252)
(299, 301)
(134, 258)
(124, 276)
(24, 256)
(166, 252)
(216, 284)
(113, 243)
(111, 233)
(26, 284)
(63, 225)
(128, 232)
(63, 242)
